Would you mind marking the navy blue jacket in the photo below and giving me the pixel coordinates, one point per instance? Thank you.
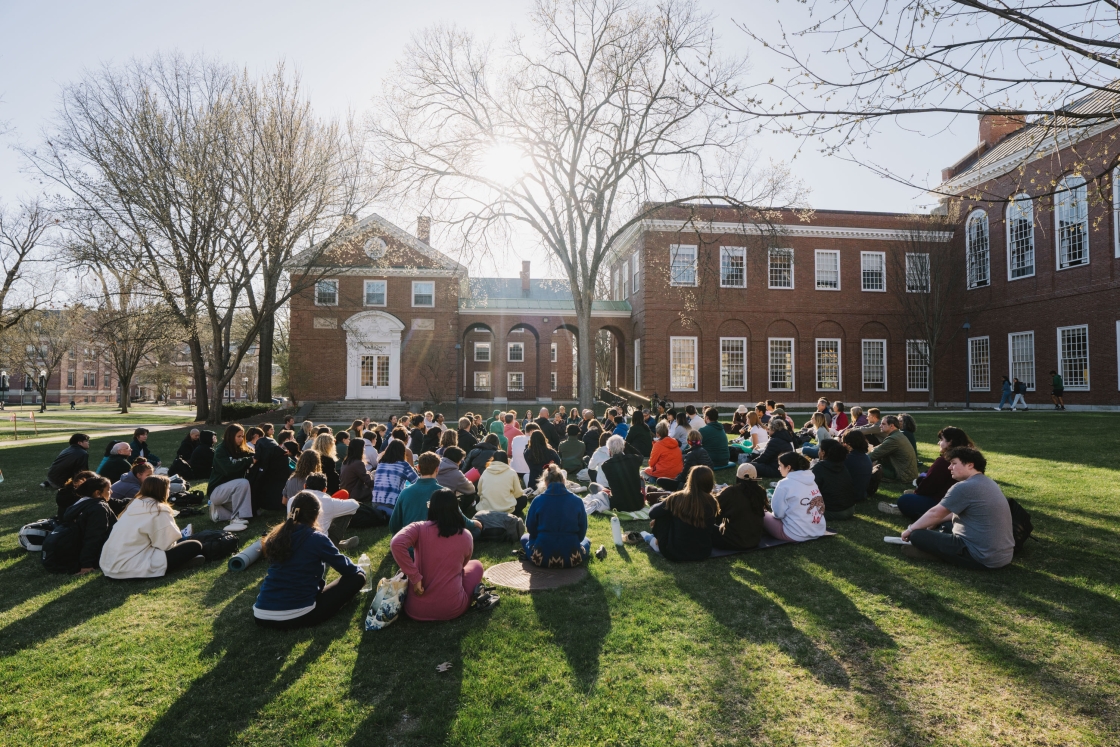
(294, 583)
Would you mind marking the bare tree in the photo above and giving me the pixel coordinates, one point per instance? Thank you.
(281, 351)
(21, 234)
(45, 337)
(571, 138)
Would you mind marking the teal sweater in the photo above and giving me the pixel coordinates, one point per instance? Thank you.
(715, 443)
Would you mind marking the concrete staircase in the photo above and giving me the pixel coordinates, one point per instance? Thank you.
(346, 411)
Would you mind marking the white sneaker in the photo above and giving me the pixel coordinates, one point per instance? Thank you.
(889, 508)
(239, 525)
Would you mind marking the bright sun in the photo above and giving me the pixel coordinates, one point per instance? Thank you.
(504, 163)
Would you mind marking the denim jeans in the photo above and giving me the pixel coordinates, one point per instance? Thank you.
(944, 546)
(913, 505)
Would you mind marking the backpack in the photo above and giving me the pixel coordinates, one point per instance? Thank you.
(193, 498)
(179, 486)
(498, 526)
(216, 544)
(31, 535)
(1021, 526)
(367, 516)
(62, 546)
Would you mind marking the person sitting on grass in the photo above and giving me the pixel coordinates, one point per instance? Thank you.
(293, 593)
(539, 455)
(572, 450)
(335, 512)
(306, 464)
(69, 462)
(481, 454)
(858, 464)
(355, 478)
(557, 524)
(129, 484)
(937, 481)
(679, 428)
(517, 452)
(780, 441)
(511, 429)
(982, 536)
(393, 473)
(684, 524)
(639, 439)
(325, 446)
(909, 427)
(873, 429)
(435, 555)
(499, 487)
(600, 455)
(622, 475)
(118, 462)
(146, 542)
(895, 454)
(694, 456)
(188, 444)
(230, 493)
(450, 477)
(797, 507)
(665, 458)
(411, 505)
(858, 418)
(818, 425)
(834, 481)
(449, 438)
(67, 495)
(714, 439)
(739, 419)
(741, 507)
(620, 427)
(591, 436)
(94, 518)
(840, 421)
(140, 446)
(465, 440)
(755, 434)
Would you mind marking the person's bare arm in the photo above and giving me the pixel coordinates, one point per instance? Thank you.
(934, 517)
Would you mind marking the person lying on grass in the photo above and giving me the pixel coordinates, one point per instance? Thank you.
(797, 506)
(146, 542)
(684, 524)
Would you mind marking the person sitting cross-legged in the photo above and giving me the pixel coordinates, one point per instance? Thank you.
(780, 441)
(665, 458)
(639, 438)
(684, 524)
(334, 513)
(797, 511)
(741, 508)
(834, 481)
(117, 463)
(622, 473)
(452, 478)
(411, 505)
(694, 456)
(145, 542)
(130, 482)
(894, 453)
(572, 450)
(858, 464)
(499, 487)
(937, 481)
(982, 536)
(354, 477)
(714, 438)
(557, 524)
(394, 472)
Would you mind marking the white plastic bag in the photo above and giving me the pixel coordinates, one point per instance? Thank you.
(387, 602)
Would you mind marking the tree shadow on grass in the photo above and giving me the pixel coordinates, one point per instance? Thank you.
(578, 618)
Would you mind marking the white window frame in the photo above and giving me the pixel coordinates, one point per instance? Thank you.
(482, 346)
(510, 347)
(695, 364)
(624, 280)
(973, 384)
(817, 268)
(770, 364)
(431, 305)
(384, 292)
(637, 364)
(971, 277)
(326, 281)
(1015, 205)
(554, 382)
(518, 376)
(722, 387)
(480, 376)
(882, 345)
(634, 272)
(839, 363)
(674, 252)
(1032, 382)
(922, 347)
(913, 259)
(1070, 185)
(1088, 359)
(770, 273)
(553, 351)
(881, 258)
(730, 252)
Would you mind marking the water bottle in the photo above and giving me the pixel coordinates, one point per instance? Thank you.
(363, 563)
(616, 530)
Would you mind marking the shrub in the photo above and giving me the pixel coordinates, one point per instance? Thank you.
(238, 410)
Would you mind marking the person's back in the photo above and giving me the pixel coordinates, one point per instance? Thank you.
(571, 452)
(557, 525)
(623, 473)
(798, 503)
(439, 562)
(836, 486)
(695, 456)
(591, 438)
(684, 524)
(69, 462)
(411, 504)
(517, 454)
(290, 587)
(202, 461)
(356, 480)
(126, 487)
(665, 458)
(498, 488)
(859, 469)
(714, 440)
(389, 483)
(137, 543)
(982, 518)
(114, 468)
(741, 507)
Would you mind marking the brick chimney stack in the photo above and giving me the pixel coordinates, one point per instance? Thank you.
(525, 279)
(994, 127)
(424, 228)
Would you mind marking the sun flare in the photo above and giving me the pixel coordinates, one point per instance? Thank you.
(504, 163)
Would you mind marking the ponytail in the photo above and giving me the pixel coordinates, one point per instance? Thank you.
(303, 509)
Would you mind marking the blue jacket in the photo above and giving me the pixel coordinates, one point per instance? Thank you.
(293, 584)
(557, 524)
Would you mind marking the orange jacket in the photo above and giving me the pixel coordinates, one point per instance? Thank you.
(665, 460)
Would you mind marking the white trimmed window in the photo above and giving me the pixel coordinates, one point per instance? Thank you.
(634, 272)
(554, 351)
(780, 268)
(624, 280)
(1073, 357)
(733, 267)
(682, 264)
(515, 352)
(482, 352)
(874, 365)
(873, 271)
(781, 364)
(1020, 238)
(977, 250)
(554, 381)
(515, 381)
(733, 364)
(828, 269)
(423, 293)
(637, 364)
(979, 364)
(682, 364)
(375, 293)
(917, 272)
(326, 293)
(917, 366)
(828, 365)
(1020, 351)
(482, 381)
(1072, 223)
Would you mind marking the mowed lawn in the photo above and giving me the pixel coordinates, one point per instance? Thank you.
(841, 641)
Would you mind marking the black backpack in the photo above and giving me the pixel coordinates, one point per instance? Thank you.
(216, 544)
(62, 546)
(367, 516)
(1021, 526)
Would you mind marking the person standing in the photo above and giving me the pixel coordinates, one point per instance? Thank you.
(1058, 390)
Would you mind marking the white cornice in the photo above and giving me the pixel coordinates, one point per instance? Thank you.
(557, 313)
(394, 272)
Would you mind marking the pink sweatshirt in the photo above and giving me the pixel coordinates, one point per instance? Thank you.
(438, 565)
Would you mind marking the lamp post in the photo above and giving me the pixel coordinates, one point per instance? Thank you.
(3, 389)
(458, 350)
(967, 372)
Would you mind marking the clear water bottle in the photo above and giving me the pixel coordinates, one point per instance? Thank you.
(616, 530)
(363, 563)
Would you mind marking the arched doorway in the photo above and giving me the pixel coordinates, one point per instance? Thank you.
(373, 356)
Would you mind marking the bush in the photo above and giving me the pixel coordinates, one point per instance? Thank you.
(238, 410)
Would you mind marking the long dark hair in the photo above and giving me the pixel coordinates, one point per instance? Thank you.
(695, 503)
(303, 509)
(832, 450)
(855, 441)
(539, 449)
(93, 485)
(637, 420)
(355, 451)
(956, 437)
(394, 452)
(443, 511)
(230, 441)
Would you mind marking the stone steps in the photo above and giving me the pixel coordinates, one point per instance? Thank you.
(354, 409)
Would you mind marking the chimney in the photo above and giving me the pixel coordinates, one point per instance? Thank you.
(994, 127)
(424, 228)
(525, 279)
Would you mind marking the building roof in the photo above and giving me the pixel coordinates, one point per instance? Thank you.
(537, 306)
(544, 289)
(374, 224)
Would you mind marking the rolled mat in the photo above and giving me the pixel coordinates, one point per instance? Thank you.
(246, 557)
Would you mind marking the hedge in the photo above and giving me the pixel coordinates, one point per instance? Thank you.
(238, 410)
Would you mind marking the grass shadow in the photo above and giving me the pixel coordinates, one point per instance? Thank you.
(578, 621)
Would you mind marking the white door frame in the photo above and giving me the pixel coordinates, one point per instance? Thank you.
(373, 333)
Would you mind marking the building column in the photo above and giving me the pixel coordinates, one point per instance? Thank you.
(498, 364)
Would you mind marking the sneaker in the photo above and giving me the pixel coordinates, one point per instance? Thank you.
(914, 553)
(601, 553)
(195, 562)
(238, 525)
(997, 409)
(889, 508)
(633, 538)
(347, 545)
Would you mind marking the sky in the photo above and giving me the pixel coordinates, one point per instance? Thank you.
(344, 50)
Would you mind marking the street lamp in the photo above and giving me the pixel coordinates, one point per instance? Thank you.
(3, 389)
(967, 373)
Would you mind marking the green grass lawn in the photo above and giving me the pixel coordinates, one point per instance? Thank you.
(840, 641)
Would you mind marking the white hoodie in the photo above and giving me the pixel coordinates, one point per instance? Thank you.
(798, 503)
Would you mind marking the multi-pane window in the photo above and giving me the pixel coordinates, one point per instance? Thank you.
(515, 381)
(733, 267)
(979, 364)
(917, 272)
(733, 363)
(1072, 217)
(1020, 351)
(634, 272)
(375, 292)
(554, 351)
(977, 250)
(554, 382)
(375, 370)
(326, 293)
(70, 378)
(482, 381)
(917, 366)
(682, 264)
(828, 269)
(781, 364)
(423, 293)
(1073, 356)
(1020, 238)
(780, 268)
(638, 365)
(108, 380)
(828, 365)
(482, 351)
(873, 271)
(682, 364)
(624, 280)
(874, 365)
(516, 352)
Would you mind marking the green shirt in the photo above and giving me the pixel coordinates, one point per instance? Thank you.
(1057, 382)
(715, 443)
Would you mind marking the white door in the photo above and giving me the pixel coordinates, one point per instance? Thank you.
(373, 341)
(374, 374)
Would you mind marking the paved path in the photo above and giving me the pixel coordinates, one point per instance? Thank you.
(64, 436)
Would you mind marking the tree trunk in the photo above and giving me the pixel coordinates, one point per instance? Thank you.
(201, 394)
(42, 400)
(264, 358)
(215, 414)
(127, 377)
(586, 347)
(932, 395)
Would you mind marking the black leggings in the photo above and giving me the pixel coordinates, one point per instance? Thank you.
(327, 602)
(182, 551)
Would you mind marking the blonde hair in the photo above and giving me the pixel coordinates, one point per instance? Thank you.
(324, 444)
(818, 420)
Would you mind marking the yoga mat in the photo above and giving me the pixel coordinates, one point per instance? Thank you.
(246, 557)
(765, 544)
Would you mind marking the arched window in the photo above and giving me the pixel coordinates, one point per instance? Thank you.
(977, 250)
(1020, 238)
(1072, 216)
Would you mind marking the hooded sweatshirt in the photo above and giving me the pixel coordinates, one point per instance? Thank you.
(451, 478)
(499, 488)
(665, 460)
(798, 504)
(137, 545)
(126, 487)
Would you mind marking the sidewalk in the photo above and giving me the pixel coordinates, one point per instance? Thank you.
(64, 436)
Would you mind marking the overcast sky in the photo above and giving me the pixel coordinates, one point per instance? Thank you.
(344, 50)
